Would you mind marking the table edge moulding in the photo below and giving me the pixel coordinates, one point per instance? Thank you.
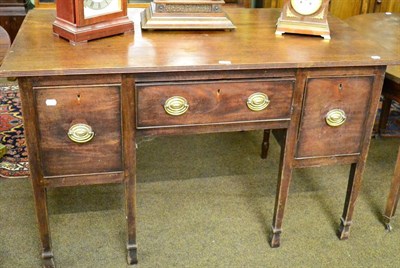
(319, 97)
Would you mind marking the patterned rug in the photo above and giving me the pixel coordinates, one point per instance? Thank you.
(393, 125)
(14, 164)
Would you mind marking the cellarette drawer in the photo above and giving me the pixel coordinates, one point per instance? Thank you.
(334, 114)
(206, 103)
(79, 129)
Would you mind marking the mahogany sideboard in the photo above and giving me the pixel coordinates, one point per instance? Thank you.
(85, 105)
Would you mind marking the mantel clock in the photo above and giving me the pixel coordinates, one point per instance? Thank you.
(304, 17)
(83, 20)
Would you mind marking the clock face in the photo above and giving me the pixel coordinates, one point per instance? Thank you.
(306, 7)
(94, 8)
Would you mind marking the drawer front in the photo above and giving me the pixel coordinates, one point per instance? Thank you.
(212, 103)
(59, 108)
(330, 97)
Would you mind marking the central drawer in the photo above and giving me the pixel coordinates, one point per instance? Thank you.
(205, 103)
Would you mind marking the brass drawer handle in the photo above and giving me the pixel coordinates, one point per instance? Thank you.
(80, 133)
(335, 117)
(258, 101)
(176, 105)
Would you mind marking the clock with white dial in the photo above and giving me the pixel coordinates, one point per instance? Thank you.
(94, 8)
(305, 7)
(83, 20)
(308, 17)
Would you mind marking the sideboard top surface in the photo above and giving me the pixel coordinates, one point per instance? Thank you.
(253, 45)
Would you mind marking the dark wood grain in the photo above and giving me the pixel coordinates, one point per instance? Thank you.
(253, 45)
(35, 169)
(213, 102)
(372, 25)
(83, 179)
(383, 28)
(129, 152)
(350, 94)
(99, 107)
(357, 169)
(123, 81)
(214, 128)
(288, 150)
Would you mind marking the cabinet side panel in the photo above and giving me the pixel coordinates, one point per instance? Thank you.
(65, 10)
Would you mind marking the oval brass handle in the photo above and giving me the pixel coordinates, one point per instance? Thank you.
(80, 133)
(257, 101)
(335, 117)
(176, 105)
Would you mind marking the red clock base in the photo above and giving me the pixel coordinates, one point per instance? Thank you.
(82, 34)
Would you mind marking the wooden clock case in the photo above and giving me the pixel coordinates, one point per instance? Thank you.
(291, 21)
(71, 24)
